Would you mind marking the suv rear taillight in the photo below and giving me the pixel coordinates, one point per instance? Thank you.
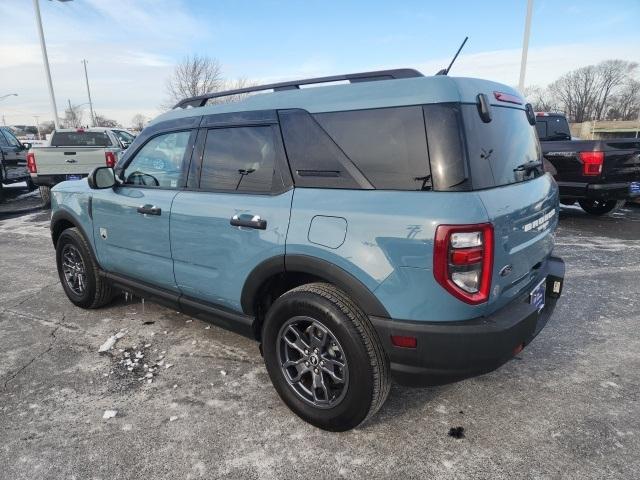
(591, 163)
(463, 260)
(31, 163)
(110, 159)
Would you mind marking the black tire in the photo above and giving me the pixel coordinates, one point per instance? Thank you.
(368, 380)
(45, 193)
(30, 185)
(97, 292)
(600, 207)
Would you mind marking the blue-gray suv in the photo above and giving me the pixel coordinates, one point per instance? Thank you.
(386, 225)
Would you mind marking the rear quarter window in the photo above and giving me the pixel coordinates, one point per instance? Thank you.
(388, 145)
(502, 151)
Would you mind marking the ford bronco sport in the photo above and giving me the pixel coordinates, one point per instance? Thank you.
(394, 226)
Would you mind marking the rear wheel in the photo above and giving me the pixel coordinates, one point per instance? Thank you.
(45, 193)
(324, 357)
(30, 185)
(600, 207)
(79, 273)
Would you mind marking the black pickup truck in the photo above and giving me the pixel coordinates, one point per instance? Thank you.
(599, 174)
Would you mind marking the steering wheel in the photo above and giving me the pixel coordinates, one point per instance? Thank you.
(141, 178)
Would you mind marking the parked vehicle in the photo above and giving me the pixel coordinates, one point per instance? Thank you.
(400, 227)
(599, 174)
(13, 160)
(73, 153)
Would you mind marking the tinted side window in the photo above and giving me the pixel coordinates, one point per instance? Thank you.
(13, 141)
(3, 141)
(388, 145)
(316, 161)
(446, 146)
(239, 158)
(159, 163)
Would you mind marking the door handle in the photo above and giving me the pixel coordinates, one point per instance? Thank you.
(253, 222)
(149, 210)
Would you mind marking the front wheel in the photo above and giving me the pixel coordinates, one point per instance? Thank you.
(600, 207)
(79, 273)
(324, 357)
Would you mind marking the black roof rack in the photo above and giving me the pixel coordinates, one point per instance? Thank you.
(201, 100)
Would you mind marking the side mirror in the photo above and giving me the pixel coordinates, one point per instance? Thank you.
(101, 177)
(27, 146)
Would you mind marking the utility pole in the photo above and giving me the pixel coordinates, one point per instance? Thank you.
(525, 45)
(45, 58)
(4, 121)
(86, 78)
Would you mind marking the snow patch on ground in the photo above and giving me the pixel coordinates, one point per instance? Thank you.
(26, 225)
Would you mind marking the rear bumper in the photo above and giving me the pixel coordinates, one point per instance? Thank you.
(450, 351)
(596, 191)
(51, 180)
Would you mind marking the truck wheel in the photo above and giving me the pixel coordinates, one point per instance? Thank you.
(30, 185)
(79, 273)
(45, 193)
(600, 207)
(324, 357)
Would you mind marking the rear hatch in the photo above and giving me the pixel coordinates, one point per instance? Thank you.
(505, 163)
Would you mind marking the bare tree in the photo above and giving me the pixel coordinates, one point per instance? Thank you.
(102, 121)
(138, 122)
(46, 127)
(194, 75)
(626, 104)
(73, 117)
(541, 99)
(586, 93)
(237, 84)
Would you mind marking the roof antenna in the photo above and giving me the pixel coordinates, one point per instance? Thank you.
(446, 71)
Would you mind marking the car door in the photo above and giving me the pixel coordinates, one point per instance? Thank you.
(236, 213)
(131, 221)
(14, 156)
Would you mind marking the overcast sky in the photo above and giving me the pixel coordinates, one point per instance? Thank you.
(132, 45)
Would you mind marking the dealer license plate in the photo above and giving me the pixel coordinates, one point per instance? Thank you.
(536, 297)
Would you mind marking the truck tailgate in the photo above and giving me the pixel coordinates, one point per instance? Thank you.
(68, 160)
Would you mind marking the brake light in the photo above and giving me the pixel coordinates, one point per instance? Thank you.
(508, 98)
(592, 163)
(31, 163)
(463, 260)
(110, 159)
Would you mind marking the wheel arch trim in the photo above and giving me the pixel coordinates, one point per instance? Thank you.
(64, 215)
(317, 267)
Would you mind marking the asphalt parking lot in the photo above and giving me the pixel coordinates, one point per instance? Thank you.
(568, 406)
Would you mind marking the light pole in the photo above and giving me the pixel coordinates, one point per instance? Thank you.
(525, 45)
(86, 78)
(45, 59)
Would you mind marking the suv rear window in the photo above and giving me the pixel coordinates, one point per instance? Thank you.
(388, 145)
(503, 151)
(80, 139)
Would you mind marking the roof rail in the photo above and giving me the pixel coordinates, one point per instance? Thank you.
(201, 100)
